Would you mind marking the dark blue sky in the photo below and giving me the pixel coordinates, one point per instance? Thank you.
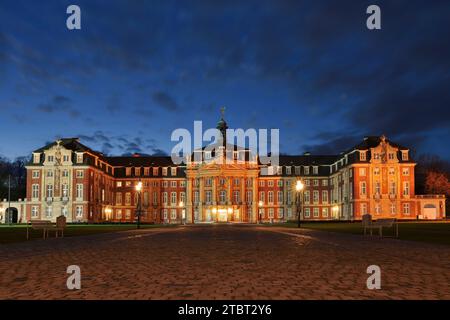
(139, 69)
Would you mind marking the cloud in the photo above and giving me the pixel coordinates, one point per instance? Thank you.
(164, 100)
(59, 104)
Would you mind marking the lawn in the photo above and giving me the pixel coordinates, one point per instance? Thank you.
(434, 232)
(17, 233)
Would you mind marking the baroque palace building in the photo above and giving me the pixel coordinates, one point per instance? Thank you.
(375, 176)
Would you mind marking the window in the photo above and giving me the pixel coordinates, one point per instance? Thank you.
(406, 208)
(236, 181)
(270, 196)
(280, 183)
(315, 170)
(173, 171)
(362, 171)
(270, 183)
(119, 198)
(173, 214)
(65, 173)
(222, 196)
(155, 171)
(50, 158)
(34, 211)
(208, 182)
(362, 187)
(288, 170)
(196, 195)
(146, 171)
(377, 209)
(280, 196)
(315, 182)
(35, 191)
(173, 184)
(315, 212)
(316, 196)
(173, 198)
(119, 184)
(306, 196)
(65, 190)
(165, 214)
(280, 213)
(392, 188)
(183, 197)
(363, 208)
(362, 156)
(261, 196)
(324, 196)
(405, 171)
(279, 170)
(325, 212)
(64, 211)
(261, 183)
(307, 213)
(49, 191)
(376, 171)
(249, 196)
(393, 208)
(324, 182)
(137, 171)
(406, 188)
(164, 198)
(377, 187)
(307, 182)
(164, 171)
(119, 214)
(182, 183)
(376, 156)
(405, 155)
(165, 184)
(49, 212)
(79, 157)
(80, 173)
(36, 158)
(49, 173)
(391, 156)
(306, 169)
(35, 174)
(297, 170)
(208, 196)
(391, 171)
(127, 214)
(79, 191)
(207, 155)
(271, 213)
(155, 198)
(236, 197)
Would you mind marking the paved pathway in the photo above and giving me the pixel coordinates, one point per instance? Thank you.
(224, 262)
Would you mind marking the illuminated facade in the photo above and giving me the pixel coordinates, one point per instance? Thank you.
(376, 177)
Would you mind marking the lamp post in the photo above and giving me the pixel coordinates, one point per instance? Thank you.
(138, 190)
(260, 205)
(299, 192)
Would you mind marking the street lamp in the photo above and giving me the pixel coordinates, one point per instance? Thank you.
(138, 190)
(260, 204)
(299, 191)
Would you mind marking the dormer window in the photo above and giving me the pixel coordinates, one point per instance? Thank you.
(297, 170)
(362, 156)
(137, 171)
(207, 155)
(279, 170)
(36, 157)
(405, 155)
(155, 171)
(288, 170)
(173, 171)
(315, 170)
(306, 169)
(164, 171)
(128, 172)
(79, 158)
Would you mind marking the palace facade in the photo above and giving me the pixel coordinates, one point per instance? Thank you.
(375, 176)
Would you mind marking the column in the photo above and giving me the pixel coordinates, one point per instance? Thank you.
(189, 212)
(200, 200)
(254, 214)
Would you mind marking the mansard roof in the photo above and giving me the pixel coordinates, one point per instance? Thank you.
(307, 160)
(374, 141)
(140, 161)
(73, 144)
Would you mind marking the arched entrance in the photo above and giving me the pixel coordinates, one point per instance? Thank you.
(11, 215)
